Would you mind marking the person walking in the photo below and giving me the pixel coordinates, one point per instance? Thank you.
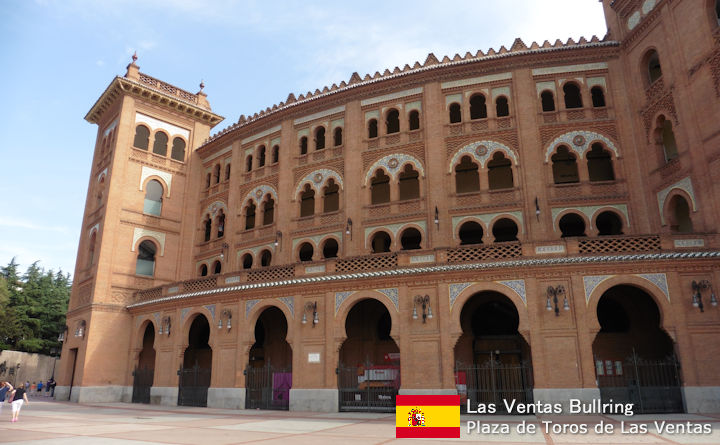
(18, 397)
(4, 388)
(39, 387)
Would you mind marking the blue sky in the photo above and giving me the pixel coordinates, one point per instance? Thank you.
(58, 57)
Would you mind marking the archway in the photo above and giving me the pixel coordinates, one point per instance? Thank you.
(197, 365)
(634, 358)
(492, 359)
(144, 373)
(369, 367)
(268, 377)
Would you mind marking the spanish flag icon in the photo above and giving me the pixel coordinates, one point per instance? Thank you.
(431, 416)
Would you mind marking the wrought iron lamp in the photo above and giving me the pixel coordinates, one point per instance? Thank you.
(552, 294)
(437, 218)
(424, 302)
(61, 337)
(80, 329)
(278, 238)
(348, 228)
(165, 326)
(227, 315)
(698, 287)
(311, 306)
(225, 246)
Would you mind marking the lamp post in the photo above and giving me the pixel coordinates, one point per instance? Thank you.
(311, 307)
(698, 287)
(424, 302)
(553, 293)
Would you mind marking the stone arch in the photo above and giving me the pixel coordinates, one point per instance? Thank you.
(463, 220)
(601, 209)
(397, 238)
(376, 230)
(580, 142)
(253, 315)
(393, 165)
(343, 310)
(153, 239)
(141, 325)
(317, 180)
(187, 320)
(162, 181)
(213, 208)
(579, 212)
(481, 152)
(258, 194)
(518, 222)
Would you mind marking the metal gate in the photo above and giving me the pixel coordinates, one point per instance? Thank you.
(368, 388)
(267, 387)
(492, 381)
(193, 386)
(652, 386)
(142, 382)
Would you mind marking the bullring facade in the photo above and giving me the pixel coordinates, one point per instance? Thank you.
(535, 223)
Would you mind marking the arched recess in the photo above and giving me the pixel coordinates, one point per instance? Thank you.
(257, 193)
(144, 372)
(344, 308)
(603, 211)
(318, 180)
(481, 152)
(677, 212)
(196, 371)
(393, 164)
(579, 142)
(586, 221)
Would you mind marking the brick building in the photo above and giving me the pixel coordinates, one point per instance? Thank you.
(538, 222)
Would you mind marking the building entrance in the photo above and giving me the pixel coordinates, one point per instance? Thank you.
(196, 370)
(268, 376)
(492, 359)
(145, 370)
(369, 367)
(635, 360)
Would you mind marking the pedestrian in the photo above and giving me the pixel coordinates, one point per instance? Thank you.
(39, 387)
(51, 386)
(18, 396)
(4, 388)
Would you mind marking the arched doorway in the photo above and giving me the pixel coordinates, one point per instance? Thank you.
(268, 377)
(492, 359)
(634, 358)
(145, 371)
(197, 365)
(369, 364)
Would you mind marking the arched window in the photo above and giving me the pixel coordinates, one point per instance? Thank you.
(380, 188)
(178, 149)
(265, 258)
(100, 191)
(153, 198)
(410, 239)
(392, 123)
(275, 154)
(573, 99)
(598, 97)
(599, 163)
(500, 175)
(160, 144)
(227, 172)
(564, 166)
(548, 101)
(608, 223)
(409, 183)
(142, 137)
(478, 107)
(572, 224)
(216, 173)
(217, 267)
(303, 145)
(337, 136)
(331, 198)
(505, 230)
(680, 221)
(145, 264)
(320, 138)
(247, 261)
(470, 233)
(307, 201)
(372, 128)
(250, 215)
(305, 253)
(502, 108)
(414, 120)
(268, 210)
(221, 224)
(203, 270)
(667, 139)
(455, 113)
(91, 249)
(248, 163)
(208, 227)
(330, 248)
(380, 242)
(654, 72)
(261, 156)
(208, 180)
(467, 177)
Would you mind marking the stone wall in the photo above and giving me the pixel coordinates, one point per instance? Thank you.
(16, 366)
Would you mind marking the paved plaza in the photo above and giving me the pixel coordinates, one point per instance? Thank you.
(58, 423)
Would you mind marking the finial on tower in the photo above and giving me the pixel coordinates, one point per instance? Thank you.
(202, 84)
(134, 57)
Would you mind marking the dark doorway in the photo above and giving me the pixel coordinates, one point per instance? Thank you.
(268, 377)
(197, 365)
(145, 370)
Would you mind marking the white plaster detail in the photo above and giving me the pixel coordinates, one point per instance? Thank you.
(391, 96)
(590, 282)
(110, 127)
(157, 236)
(395, 228)
(303, 132)
(94, 229)
(317, 239)
(318, 115)
(502, 91)
(173, 290)
(453, 98)
(596, 81)
(590, 211)
(260, 135)
(103, 174)
(689, 242)
(215, 207)
(659, 280)
(320, 268)
(486, 219)
(337, 123)
(580, 142)
(416, 259)
(218, 154)
(570, 68)
(156, 124)
(258, 194)
(415, 105)
(374, 114)
(313, 357)
(481, 151)
(255, 251)
(146, 172)
(685, 185)
(183, 313)
(275, 141)
(476, 80)
(393, 164)
(648, 6)
(634, 20)
(545, 86)
(518, 286)
(230, 280)
(544, 250)
(318, 179)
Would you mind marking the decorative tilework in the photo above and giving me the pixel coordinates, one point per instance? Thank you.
(481, 151)
(157, 236)
(455, 290)
(580, 145)
(518, 286)
(290, 303)
(392, 294)
(183, 313)
(215, 207)
(317, 180)
(156, 316)
(249, 304)
(659, 280)
(211, 309)
(259, 192)
(340, 297)
(685, 185)
(393, 165)
(591, 282)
